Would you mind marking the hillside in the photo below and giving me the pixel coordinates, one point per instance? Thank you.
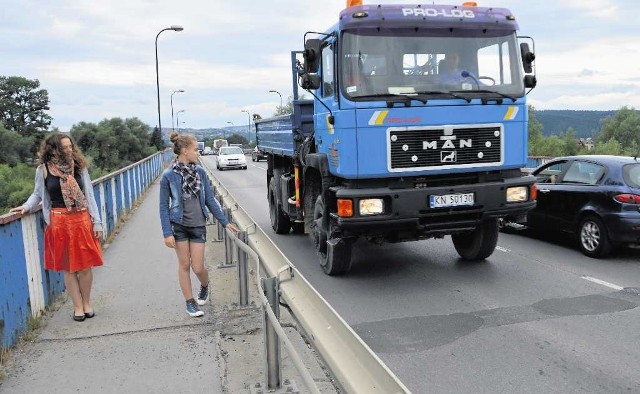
(585, 123)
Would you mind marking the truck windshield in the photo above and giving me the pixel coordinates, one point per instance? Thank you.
(430, 64)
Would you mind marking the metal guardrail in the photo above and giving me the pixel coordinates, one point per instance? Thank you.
(355, 366)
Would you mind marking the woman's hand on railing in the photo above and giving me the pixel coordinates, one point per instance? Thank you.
(232, 227)
(21, 210)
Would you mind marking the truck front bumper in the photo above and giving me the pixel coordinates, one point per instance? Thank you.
(408, 216)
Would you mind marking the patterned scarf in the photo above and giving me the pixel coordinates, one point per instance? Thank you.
(190, 178)
(71, 193)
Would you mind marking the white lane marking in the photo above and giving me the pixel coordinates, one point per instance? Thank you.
(500, 248)
(603, 283)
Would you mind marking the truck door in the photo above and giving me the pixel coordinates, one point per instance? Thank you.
(337, 140)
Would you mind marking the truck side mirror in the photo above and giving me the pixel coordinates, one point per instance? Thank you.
(310, 81)
(311, 55)
(527, 57)
(530, 81)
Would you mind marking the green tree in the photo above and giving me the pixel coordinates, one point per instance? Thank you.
(156, 139)
(552, 146)
(623, 127)
(237, 139)
(570, 142)
(285, 109)
(16, 183)
(610, 147)
(23, 106)
(14, 147)
(114, 143)
(535, 133)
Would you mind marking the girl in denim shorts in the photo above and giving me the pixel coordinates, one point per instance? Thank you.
(185, 195)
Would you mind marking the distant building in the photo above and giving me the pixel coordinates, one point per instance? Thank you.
(586, 143)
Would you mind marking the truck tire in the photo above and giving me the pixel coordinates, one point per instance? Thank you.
(477, 244)
(279, 221)
(335, 253)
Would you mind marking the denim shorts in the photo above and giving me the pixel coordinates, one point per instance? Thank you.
(193, 234)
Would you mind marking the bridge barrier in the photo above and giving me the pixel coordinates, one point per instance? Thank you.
(26, 288)
(356, 368)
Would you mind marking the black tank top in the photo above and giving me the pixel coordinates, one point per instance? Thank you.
(52, 183)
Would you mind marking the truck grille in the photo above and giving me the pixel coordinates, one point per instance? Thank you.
(444, 147)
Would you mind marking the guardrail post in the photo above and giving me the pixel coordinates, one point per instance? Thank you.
(273, 371)
(243, 272)
(228, 244)
(220, 229)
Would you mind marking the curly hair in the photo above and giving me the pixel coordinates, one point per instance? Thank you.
(51, 147)
(181, 141)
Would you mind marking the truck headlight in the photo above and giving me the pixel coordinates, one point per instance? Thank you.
(517, 194)
(371, 206)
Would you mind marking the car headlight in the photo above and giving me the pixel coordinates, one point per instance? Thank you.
(517, 194)
(371, 206)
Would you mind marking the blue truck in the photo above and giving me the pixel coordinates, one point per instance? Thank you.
(417, 129)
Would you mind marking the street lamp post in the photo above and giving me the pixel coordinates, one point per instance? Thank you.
(174, 28)
(224, 132)
(249, 115)
(278, 93)
(174, 92)
(178, 120)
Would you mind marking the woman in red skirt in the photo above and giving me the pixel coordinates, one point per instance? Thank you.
(74, 229)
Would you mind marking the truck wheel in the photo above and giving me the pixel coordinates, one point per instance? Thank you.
(279, 221)
(592, 237)
(477, 244)
(335, 253)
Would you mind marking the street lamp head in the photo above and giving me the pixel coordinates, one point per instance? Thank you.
(177, 28)
(180, 91)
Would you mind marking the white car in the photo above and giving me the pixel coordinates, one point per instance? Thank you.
(231, 157)
(207, 151)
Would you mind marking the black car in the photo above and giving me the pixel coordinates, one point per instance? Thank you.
(595, 198)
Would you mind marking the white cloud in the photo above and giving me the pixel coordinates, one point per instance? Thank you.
(97, 60)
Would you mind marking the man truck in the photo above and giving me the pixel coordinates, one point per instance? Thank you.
(387, 150)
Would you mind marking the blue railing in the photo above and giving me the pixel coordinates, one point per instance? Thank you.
(26, 288)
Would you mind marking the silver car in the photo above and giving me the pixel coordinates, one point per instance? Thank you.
(231, 157)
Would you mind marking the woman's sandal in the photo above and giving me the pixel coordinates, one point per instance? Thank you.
(79, 318)
(89, 315)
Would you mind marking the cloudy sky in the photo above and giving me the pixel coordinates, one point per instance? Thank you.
(97, 58)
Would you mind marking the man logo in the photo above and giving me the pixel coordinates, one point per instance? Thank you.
(448, 157)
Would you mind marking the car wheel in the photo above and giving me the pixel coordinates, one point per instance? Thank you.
(253, 158)
(592, 237)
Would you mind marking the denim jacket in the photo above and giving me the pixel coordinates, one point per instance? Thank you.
(171, 200)
(40, 194)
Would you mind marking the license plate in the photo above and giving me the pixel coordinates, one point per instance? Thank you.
(451, 200)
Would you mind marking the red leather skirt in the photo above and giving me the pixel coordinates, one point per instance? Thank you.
(69, 242)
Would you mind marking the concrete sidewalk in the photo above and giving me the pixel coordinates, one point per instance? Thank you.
(141, 339)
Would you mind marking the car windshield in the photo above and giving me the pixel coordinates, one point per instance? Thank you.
(397, 62)
(631, 174)
(234, 150)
